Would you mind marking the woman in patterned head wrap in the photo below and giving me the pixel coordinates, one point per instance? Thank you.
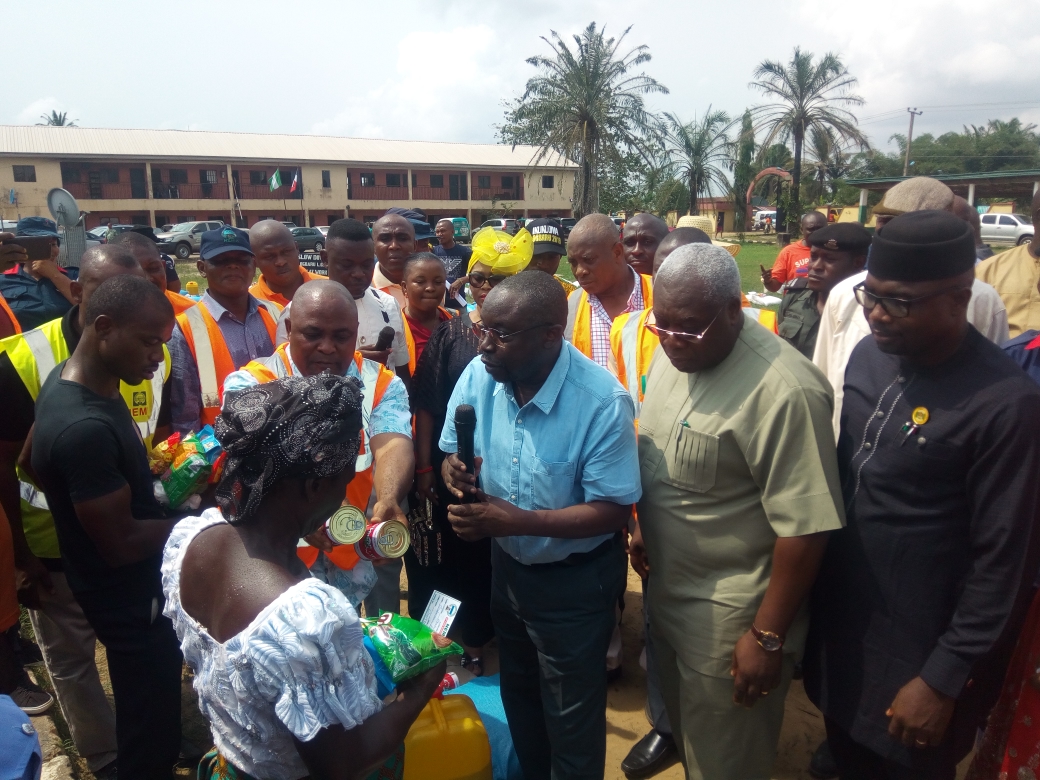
(280, 668)
(464, 570)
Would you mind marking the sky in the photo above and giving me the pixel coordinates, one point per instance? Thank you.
(440, 71)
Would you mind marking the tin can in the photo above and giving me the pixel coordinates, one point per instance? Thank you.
(389, 539)
(346, 526)
(449, 683)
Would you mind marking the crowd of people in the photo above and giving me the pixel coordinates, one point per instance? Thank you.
(849, 497)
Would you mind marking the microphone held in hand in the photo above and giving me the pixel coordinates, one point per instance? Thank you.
(465, 427)
(386, 338)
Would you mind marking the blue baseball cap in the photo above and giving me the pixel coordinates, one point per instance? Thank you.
(37, 226)
(226, 239)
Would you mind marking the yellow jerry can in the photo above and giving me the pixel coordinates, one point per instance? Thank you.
(448, 741)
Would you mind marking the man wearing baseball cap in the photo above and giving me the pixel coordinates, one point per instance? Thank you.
(221, 333)
(37, 291)
(549, 248)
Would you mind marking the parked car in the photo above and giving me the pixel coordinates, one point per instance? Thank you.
(308, 239)
(567, 224)
(507, 225)
(1015, 228)
(759, 222)
(98, 233)
(324, 230)
(185, 238)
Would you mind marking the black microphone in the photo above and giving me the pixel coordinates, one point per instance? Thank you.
(386, 338)
(465, 428)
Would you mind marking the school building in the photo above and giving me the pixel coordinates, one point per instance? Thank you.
(158, 177)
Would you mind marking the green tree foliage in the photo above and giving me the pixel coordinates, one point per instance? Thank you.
(698, 151)
(808, 94)
(743, 167)
(828, 161)
(56, 119)
(585, 104)
(996, 146)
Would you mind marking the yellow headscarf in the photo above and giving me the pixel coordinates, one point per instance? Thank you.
(504, 254)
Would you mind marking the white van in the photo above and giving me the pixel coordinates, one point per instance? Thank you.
(760, 219)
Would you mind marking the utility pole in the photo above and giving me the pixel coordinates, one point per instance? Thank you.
(909, 138)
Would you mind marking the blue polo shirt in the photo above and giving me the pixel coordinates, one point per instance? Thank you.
(1024, 349)
(573, 443)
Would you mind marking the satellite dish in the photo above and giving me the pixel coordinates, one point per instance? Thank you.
(63, 207)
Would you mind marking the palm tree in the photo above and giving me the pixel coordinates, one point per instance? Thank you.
(808, 95)
(828, 161)
(586, 105)
(698, 151)
(57, 119)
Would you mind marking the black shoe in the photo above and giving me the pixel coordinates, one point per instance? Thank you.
(822, 765)
(649, 755)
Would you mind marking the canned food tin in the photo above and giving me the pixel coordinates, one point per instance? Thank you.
(346, 526)
(389, 539)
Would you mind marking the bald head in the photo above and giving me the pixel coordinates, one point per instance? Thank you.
(322, 326)
(97, 265)
(146, 253)
(594, 228)
(644, 220)
(268, 229)
(677, 238)
(640, 238)
(534, 297)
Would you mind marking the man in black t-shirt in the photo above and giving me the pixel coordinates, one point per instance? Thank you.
(455, 256)
(89, 458)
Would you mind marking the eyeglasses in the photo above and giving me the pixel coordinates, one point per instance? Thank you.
(498, 338)
(477, 279)
(894, 307)
(679, 334)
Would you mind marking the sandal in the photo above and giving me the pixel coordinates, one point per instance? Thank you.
(476, 662)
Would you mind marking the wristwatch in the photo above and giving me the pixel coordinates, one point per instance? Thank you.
(768, 640)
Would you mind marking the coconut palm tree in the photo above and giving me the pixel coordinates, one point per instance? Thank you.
(698, 151)
(57, 119)
(809, 94)
(828, 160)
(585, 104)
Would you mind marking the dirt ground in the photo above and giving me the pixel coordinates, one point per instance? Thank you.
(626, 720)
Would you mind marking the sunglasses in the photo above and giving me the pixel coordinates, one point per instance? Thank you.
(477, 279)
(894, 307)
(498, 338)
(680, 334)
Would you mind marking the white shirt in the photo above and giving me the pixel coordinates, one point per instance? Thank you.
(375, 311)
(842, 326)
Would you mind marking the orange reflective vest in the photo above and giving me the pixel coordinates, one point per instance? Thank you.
(181, 303)
(409, 339)
(632, 348)
(375, 378)
(262, 292)
(10, 314)
(211, 354)
(579, 315)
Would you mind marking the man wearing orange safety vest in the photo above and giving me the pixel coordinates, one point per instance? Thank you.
(219, 334)
(322, 337)
(632, 346)
(278, 259)
(609, 286)
(146, 253)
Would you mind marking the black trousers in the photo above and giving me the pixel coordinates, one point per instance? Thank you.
(858, 762)
(144, 664)
(554, 623)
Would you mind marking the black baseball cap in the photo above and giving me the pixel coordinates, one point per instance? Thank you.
(547, 235)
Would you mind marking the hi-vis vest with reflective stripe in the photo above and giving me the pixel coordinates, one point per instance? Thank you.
(212, 358)
(632, 347)
(34, 355)
(579, 315)
(375, 378)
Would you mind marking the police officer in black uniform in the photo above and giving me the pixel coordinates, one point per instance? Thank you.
(838, 252)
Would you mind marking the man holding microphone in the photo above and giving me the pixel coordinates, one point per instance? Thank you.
(556, 498)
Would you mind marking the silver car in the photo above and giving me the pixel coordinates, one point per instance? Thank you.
(1013, 228)
(185, 238)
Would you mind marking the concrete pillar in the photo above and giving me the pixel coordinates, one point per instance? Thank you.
(409, 186)
(148, 192)
(862, 207)
(1036, 186)
(230, 202)
(971, 194)
(306, 218)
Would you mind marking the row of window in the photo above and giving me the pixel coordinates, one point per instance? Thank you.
(72, 174)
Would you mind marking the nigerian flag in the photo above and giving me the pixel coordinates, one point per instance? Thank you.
(276, 180)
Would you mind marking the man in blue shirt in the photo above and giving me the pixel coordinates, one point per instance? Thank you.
(38, 291)
(558, 473)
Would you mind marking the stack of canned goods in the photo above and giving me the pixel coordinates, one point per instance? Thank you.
(387, 539)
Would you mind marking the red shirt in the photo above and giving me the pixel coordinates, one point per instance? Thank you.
(792, 261)
(420, 334)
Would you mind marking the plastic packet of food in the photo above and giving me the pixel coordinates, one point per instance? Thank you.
(218, 468)
(187, 474)
(161, 455)
(407, 647)
(210, 446)
(189, 445)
